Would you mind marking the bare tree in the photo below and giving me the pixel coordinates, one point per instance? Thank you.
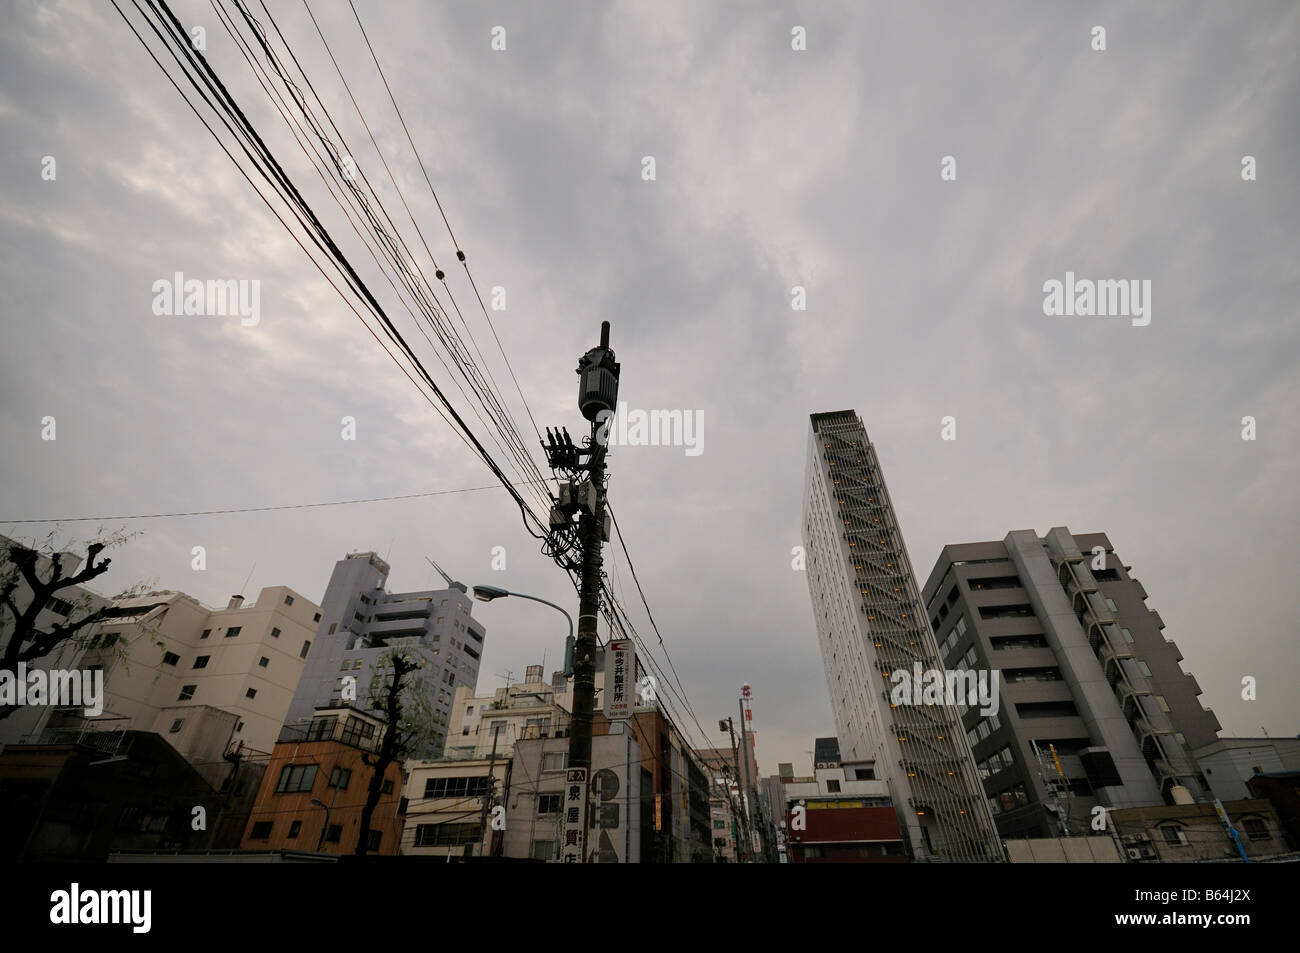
(26, 641)
(407, 725)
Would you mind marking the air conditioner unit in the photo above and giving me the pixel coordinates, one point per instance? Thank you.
(1134, 854)
(822, 764)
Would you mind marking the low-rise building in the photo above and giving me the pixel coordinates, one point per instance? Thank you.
(1229, 763)
(316, 785)
(1190, 833)
(109, 792)
(831, 818)
(449, 806)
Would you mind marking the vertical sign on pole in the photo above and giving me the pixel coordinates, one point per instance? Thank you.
(620, 669)
(573, 846)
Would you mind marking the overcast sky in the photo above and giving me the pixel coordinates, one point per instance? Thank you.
(774, 168)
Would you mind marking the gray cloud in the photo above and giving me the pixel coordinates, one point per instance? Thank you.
(774, 169)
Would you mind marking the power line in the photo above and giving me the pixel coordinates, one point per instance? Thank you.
(267, 166)
(251, 509)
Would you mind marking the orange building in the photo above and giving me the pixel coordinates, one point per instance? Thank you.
(316, 785)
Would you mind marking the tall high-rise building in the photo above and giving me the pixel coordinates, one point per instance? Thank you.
(1094, 707)
(871, 624)
(361, 624)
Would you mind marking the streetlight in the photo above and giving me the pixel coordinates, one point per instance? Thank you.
(488, 593)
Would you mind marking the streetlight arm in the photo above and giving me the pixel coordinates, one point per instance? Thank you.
(548, 603)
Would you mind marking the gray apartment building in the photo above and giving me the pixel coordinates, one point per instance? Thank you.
(871, 624)
(1094, 707)
(361, 624)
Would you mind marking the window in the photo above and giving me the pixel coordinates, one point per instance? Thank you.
(333, 626)
(234, 631)
(833, 786)
(206, 633)
(543, 850)
(251, 693)
(202, 661)
(263, 662)
(110, 638)
(472, 786)
(356, 664)
(554, 761)
(275, 633)
(187, 692)
(261, 831)
(469, 710)
(1146, 669)
(1173, 835)
(170, 658)
(386, 787)
(306, 647)
(335, 834)
(294, 829)
(1255, 829)
(1110, 604)
(1006, 612)
(322, 729)
(994, 582)
(548, 804)
(865, 774)
(316, 617)
(340, 778)
(58, 606)
(1128, 636)
(1164, 705)
(446, 835)
(176, 725)
(288, 600)
(296, 778)
(356, 731)
(372, 839)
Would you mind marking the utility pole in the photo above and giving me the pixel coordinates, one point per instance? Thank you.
(729, 725)
(746, 800)
(491, 788)
(598, 400)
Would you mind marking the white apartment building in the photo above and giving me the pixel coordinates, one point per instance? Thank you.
(171, 664)
(532, 708)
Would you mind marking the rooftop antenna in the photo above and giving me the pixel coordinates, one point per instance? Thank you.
(249, 579)
(451, 584)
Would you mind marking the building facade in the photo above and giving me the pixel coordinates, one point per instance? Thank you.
(832, 818)
(871, 624)
(316, 785)
(361, 625)
(170, 663)
(1093, 706)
